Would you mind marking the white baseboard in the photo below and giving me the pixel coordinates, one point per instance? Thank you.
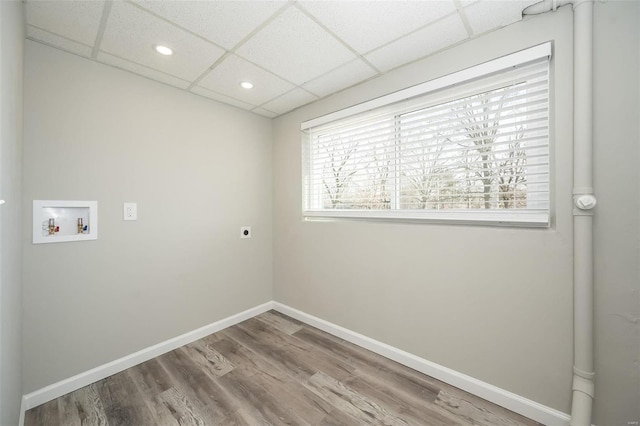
(78, 381)
(504, 398)
(22, 411)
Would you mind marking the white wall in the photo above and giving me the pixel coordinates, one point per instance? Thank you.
(503, 316)
(199, 170)
(11, 70)
(493, 303)
(617, 217)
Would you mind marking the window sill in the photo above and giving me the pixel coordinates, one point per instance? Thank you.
(511, 219)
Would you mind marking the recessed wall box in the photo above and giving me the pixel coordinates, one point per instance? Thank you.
(59, 221)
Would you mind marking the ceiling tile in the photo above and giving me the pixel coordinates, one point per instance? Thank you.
(465, 3)
(485, 15)
(226, 77)
(289, 101)
(221, 98)
(131, 34)
(57, 41)
(376, 22)
(265, 112)
(142, 70)
(304, 43)
(223, 22)
(75, 20)
(295, 47)
(345, 76)
(419, 44)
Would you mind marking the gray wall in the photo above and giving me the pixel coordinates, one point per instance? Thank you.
(503, 316)
(198, 170)
(617, 219)
(11, 71)
(493, 303)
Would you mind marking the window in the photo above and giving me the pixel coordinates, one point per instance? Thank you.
(471, 146)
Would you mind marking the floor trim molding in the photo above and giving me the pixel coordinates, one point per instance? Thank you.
(22, 411)
(499, 396)
(504, 398)
(78, 381)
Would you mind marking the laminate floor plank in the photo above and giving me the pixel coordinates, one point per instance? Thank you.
(181, 408)
(376, 367)
(294, 355)
(45, 414)
(241, 356)
(162, 412)
(270, 370)
(283, 316)
(82, 408)
(123, 403)
(284, 324)
(293, 394)
(412, 410)
(259, 403)
(150, 377)
(153, 380)
(211, 400)
(474, 413)
(68, 412)
(415, 385)
(208, 359)
(433, 417)
(339, 418)
(352, 403)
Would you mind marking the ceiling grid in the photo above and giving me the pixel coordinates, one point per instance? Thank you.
(463, 17)
(294, 52)
(103, 24)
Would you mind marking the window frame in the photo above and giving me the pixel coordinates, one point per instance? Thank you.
(494, 217)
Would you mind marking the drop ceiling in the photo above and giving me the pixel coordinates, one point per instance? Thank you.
(294, 52)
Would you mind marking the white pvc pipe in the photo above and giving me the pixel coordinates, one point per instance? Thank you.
(583, 383)
(538, 8)
(584, 201)
(583, 95)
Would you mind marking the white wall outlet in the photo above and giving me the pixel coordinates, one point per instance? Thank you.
(245, 232)
(130, 211)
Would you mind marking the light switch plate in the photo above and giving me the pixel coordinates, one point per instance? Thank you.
(130, 211)
(245, 232)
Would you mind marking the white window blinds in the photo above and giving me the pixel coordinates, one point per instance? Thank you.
(474, 150)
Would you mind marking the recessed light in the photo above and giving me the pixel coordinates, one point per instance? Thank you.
(163, 50)
(246, 85)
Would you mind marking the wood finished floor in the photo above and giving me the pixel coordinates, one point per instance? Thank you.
(270, 370)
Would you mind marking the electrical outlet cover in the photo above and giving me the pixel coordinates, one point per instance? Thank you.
(130, 211)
